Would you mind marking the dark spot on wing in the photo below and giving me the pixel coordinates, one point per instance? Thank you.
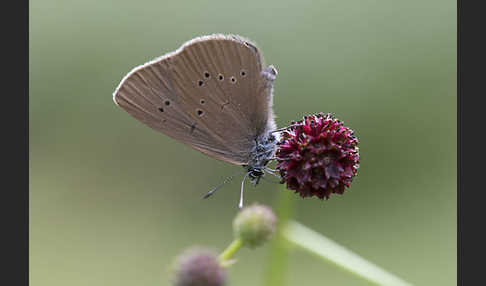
(193, 127)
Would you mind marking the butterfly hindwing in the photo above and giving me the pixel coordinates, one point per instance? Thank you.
(210, 94)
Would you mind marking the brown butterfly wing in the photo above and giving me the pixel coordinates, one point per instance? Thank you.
(210, 94)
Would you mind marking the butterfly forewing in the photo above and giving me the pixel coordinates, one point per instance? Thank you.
(209, 94)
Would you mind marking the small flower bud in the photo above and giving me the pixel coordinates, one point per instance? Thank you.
(198, 267)
(254, 225)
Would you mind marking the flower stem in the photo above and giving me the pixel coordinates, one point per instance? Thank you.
(338, 255)
(230, 250)
(277, 265)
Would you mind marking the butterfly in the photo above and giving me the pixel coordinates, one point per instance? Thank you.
(213, 94)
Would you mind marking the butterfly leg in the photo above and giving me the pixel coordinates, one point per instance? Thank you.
(271, 172)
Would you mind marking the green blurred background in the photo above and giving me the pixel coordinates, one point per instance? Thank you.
(112, 201)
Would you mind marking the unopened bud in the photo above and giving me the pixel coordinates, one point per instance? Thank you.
(198, 267)
(255, 225)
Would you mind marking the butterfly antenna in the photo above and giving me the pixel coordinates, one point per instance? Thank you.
(227, 180)
(240, 205)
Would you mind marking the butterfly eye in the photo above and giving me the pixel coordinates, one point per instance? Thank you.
(243, 73)
(220, 77)
(200, 83)
(202, 101)
(200, 112)
(206, 74)
(233, 79)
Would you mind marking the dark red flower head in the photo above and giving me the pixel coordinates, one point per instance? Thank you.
(318, 156)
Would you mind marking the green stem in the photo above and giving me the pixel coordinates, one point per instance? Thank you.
(332, 252)
(230, 250)
(277, 265)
